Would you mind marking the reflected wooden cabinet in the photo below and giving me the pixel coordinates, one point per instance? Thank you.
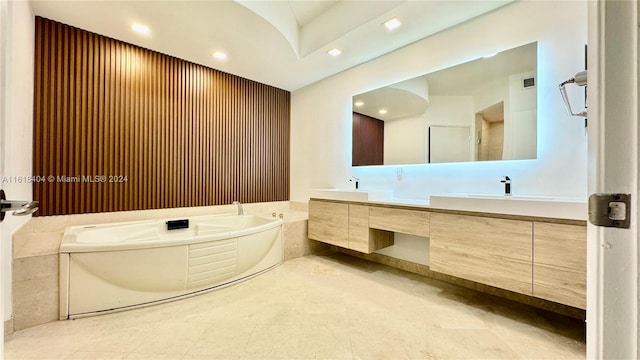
(346, 225)
(491, 251)
(560, 263)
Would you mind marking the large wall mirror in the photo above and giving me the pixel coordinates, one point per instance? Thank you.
(481, 110)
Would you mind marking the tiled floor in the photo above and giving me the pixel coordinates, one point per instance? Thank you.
(316, 307)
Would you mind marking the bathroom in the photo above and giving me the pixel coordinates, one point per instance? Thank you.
(317, 154)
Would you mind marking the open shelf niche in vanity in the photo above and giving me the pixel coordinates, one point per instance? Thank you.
(538, 257)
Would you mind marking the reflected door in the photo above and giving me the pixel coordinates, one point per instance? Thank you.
(449, 144)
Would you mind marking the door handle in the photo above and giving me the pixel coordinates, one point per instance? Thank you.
(19, 207)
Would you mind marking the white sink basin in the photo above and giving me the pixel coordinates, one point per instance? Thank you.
(351, 194)
(540, 206)
(510, 197)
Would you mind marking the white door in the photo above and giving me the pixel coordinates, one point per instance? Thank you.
(612, 253)
(4, 26)
(3, 237)
(449, 144)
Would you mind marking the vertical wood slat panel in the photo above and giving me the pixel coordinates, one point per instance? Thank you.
(38, 98)
(183, 134)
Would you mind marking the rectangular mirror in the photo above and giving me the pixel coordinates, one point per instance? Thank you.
(482, 110)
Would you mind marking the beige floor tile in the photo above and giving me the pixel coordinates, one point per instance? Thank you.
(153, 356)
(316, 307)
(376, 343)
(325, 342)
(222, 340)
(167, 338)
(466, 344)
(52, 343)
(456, 317)
(96, 355)
(533, 344)
(325, 314)
(112, 338)
(274, 342)
(35, 354)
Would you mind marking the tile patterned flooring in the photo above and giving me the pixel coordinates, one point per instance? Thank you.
(316, 307)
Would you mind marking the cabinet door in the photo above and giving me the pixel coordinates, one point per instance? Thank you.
(359, 228)
(361, 237)
(413, 222)
(560, 263)
(495, 252)
(329, 222)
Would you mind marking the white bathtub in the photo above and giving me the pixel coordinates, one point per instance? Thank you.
(118, 266)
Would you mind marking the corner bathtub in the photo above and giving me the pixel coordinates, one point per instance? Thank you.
(118, 266)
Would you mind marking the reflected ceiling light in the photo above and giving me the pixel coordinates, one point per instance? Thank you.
(140, 29)
(358, 103)
(334, 52)
(382, 111)
(219, 55)
(392, 24)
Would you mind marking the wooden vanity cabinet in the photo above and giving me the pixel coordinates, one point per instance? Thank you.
(347, 226)
(491, 251)
(560, 263)
(329, 222)
(542, 259)
(361, 236)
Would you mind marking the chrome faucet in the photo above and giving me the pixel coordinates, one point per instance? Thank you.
(353, 178)
(507, 185)
(240, 211)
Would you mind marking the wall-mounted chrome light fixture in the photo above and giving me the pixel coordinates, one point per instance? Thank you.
(19, 208)
(579, 79)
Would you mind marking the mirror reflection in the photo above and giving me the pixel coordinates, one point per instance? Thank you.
(481, 110)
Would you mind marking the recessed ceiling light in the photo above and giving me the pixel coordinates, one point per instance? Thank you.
(392, 24)
(358, 103)
(219, 55)
(382, 111)
(490, 55)
(334, 52)
(139, 28)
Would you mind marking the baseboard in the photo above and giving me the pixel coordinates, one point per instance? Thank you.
(8, 327)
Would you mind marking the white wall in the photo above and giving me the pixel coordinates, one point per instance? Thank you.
(491, 94)
(321, 112)
(522, 119)
(18, 127)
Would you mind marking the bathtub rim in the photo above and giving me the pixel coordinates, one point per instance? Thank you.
(68, 246)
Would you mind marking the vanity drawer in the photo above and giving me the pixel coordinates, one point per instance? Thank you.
(412, 222)
(490, 251)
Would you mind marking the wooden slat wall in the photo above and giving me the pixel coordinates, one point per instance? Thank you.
(182, 134)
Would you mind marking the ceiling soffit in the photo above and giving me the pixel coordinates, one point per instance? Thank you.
(311, 25)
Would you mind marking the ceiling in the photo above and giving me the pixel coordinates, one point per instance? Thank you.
(279, 43)
(467, 78)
